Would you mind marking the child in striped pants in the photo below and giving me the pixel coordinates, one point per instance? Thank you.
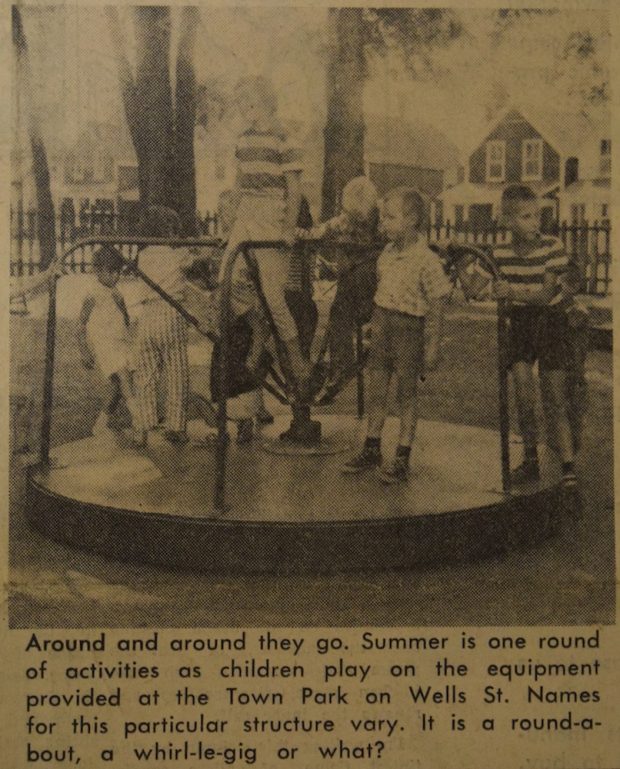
(161, 363)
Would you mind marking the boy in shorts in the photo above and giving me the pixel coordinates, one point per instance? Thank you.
(535, 281)
(409, 301)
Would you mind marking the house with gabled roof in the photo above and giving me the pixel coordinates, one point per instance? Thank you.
(545, 150)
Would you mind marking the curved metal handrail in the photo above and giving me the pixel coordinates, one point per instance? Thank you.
(223, 324)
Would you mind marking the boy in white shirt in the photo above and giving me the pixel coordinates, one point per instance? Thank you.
(409, 302)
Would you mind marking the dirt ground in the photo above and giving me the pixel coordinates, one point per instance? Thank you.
(568, 579)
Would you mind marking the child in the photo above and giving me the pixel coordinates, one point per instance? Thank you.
(245, 294)
(103, 335)
(161, 337)
(355, 237)
(268, 188)
(532, 267)
(247, 365)
(411, 292)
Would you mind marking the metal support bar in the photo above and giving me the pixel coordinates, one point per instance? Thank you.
(48, 375)
(504, 407)
(359, 373)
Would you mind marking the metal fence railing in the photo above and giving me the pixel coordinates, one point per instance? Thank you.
(72, 227)
(588, 245)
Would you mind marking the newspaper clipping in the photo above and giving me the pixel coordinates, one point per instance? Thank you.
(309, 362)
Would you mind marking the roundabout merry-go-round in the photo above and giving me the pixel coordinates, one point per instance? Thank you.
(282, 505)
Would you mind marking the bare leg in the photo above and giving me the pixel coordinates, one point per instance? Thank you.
(408, 407)
(526, 399)
(126, 391)
(378, 388)
(553, 385)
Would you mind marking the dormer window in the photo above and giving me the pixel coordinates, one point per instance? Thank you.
(532, 160)
(496, 161)
(605, 159)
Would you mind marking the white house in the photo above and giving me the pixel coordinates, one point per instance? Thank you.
(586, 196)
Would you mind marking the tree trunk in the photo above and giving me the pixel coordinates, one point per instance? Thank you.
(185, 111)
(344, 128)
(46, 224)
(153, 94)
(129, 96)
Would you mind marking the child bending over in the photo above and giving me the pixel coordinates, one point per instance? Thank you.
(411, 292)
(103, 334)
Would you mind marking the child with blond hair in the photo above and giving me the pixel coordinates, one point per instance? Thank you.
(354, 237)
(406, 329)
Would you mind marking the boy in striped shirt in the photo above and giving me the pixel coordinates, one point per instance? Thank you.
(268, 188)
(535, 280)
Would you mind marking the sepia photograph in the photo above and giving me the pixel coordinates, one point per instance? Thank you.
(310, 317)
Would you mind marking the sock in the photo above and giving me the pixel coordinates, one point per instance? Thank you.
(568, 468)
(403, 452)
(373, 444)
(531, 454)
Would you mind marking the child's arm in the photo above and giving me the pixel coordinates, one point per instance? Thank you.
(334, 226)
(436, 288)
(434, 332)
(556, 265)
(502, 289)
(293, 200)
(120, 303)
(88, 359)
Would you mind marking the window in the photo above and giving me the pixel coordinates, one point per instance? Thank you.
(496, 161)
(532, 159)
(605, 160)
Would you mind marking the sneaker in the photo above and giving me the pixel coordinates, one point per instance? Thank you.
(367, 459)
(526, 472)
(397, 472)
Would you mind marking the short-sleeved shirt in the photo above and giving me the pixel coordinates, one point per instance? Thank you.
(409, 280)
(164, 265)
(264, 157)
(526, 265)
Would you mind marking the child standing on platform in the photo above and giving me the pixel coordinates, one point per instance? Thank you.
(411, 292)
(103, 334)
(268, 188)
(355, 238)
(161, 338)
(536, 282)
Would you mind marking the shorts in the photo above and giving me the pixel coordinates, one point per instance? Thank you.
(397, 345)
(539, 334)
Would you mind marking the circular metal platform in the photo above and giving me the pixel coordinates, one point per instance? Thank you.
(290, 513)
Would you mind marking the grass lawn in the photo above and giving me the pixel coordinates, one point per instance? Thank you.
(566, 580)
